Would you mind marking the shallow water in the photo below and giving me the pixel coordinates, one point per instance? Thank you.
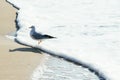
(86, 30)
(59, 69)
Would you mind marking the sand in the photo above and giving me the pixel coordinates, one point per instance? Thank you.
(17, 62)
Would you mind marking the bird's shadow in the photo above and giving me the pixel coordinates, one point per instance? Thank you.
(35, 50)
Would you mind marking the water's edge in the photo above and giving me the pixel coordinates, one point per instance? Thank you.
(91, 69)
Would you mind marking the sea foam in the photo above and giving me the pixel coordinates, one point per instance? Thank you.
(86, 31)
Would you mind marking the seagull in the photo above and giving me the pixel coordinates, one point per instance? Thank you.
(38, 36)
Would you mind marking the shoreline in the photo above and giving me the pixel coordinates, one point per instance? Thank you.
(20, 63)
(91, 69)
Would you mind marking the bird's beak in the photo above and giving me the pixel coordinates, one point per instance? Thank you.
(30, 27)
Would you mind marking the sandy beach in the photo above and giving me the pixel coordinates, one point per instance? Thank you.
(17, 62)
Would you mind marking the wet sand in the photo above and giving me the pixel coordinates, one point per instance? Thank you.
(17, 62)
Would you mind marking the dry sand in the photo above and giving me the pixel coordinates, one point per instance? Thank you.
(21, 62)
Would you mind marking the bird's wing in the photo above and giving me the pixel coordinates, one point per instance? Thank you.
(38, 34)
(44, 35)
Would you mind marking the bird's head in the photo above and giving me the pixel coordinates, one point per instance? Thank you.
(32, 27)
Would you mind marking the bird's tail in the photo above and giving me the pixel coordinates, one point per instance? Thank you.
(48, 36)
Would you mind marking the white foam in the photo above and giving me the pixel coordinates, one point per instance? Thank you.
(10, 37)
(87, 31)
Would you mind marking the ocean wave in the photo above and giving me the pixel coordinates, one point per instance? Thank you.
(85, 31)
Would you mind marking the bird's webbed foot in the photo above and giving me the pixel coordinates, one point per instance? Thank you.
(39, 42)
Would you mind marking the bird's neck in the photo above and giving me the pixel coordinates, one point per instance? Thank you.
(32, 31)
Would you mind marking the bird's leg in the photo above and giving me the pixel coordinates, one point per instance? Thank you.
(39, 42)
